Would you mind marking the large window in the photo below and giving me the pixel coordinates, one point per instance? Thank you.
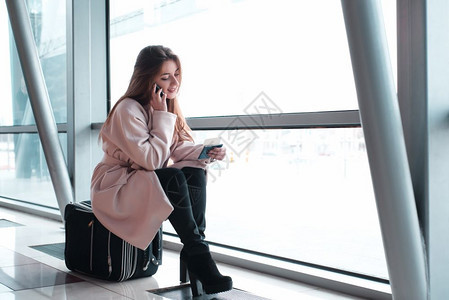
(303, 194)
(21, 157)
(24, 174)
(294, 51)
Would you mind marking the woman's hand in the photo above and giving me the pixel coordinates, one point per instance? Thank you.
(217, 153)
(157, 101)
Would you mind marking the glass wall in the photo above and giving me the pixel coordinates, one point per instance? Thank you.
(302, 194)
(48, 24)
(21, 156)
(294, 51)
(24, 174)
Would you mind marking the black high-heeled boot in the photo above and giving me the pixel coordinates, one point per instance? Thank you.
(203, 274)
(183, 274)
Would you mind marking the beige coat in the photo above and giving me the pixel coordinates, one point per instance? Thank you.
(126, 195)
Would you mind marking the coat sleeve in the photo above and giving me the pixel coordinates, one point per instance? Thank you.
(185, 150)
(145, 140)
(185, 154)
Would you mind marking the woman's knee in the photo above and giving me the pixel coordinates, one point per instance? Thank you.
(171, 179)
(167, 172)
(194, 175)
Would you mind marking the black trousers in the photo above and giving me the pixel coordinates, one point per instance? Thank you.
(186, 190)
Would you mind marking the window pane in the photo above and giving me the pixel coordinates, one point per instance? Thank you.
(48, 22)
(296, 52)
(24, 173)
(303, 194)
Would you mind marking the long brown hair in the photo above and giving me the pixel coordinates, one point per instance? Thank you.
(147, 67)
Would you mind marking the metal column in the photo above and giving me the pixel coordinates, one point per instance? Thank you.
(87, 63)
(40, 102)
(382, 127)
(423, 69)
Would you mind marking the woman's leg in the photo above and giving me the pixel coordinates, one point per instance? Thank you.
(196, 183)
(186, 190)
(174, 183)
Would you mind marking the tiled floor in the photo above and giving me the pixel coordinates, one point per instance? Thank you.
(26, 273)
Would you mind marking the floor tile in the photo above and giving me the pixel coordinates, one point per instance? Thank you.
(265, 285)
(73, 291)
(33, 276)
(3, 289)
(184, 292)
(319, 294)
(133, 289)
(9, 258)
(56, 249)
(53, 262)
(29, 274)
(20, 238)
(7, 223)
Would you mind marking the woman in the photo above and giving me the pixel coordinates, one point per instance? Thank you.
(134, 189)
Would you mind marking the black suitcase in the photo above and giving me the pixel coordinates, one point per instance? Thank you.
(93, 250)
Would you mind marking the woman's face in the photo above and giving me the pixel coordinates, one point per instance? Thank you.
(169, 78)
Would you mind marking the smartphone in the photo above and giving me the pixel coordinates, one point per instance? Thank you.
(157, 90)
(206, 150)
